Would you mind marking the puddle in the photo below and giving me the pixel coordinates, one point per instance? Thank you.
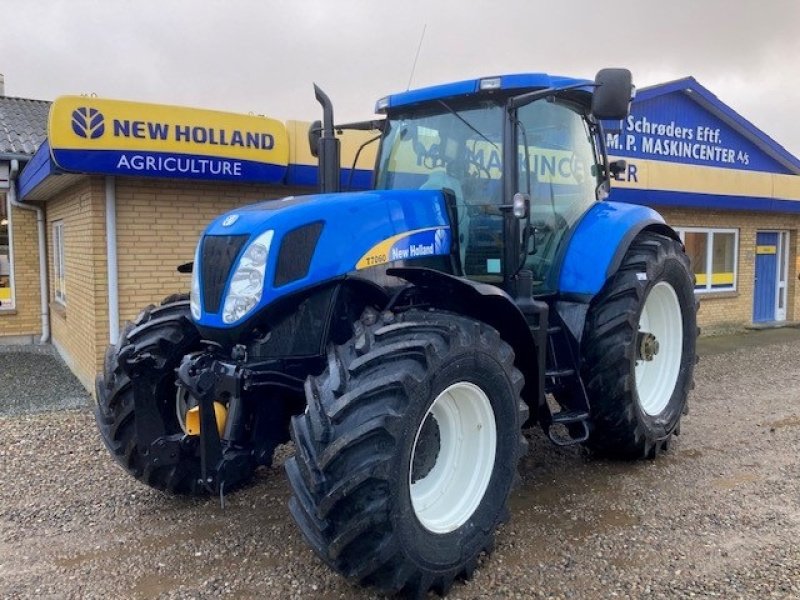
(202, 532)
(152, 586)
(734, 481)
(71, 562)
(605, 520)
(690, 453)
(787, 422)
(540, 528)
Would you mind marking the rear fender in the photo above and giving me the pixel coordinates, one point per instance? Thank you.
(600, 241)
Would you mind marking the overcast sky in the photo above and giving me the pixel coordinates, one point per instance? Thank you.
(262, 56)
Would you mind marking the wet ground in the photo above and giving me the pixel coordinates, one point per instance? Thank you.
(717, 516)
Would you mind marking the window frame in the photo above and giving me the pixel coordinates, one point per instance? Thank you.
(12, 308)
(709, 266)
(59, 270)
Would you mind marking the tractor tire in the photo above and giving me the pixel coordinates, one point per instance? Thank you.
(407, 452)
(166, 332)
(638, 389)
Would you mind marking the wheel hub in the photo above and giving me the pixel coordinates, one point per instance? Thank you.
(648, 346)
(427, 450)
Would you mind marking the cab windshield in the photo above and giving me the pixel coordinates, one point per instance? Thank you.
(458, 148)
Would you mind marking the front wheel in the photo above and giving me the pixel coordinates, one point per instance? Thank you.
(639, 349)
(408, 450)
(165, 333)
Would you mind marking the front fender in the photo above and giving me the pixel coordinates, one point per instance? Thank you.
(599, 242)
(495, 307)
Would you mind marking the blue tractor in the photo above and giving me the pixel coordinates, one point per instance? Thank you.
(403, 337)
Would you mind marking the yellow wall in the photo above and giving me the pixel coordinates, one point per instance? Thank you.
(76, 326)
(158, 225)
(24, 322)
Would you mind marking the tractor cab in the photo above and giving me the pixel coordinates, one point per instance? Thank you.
(486, 141)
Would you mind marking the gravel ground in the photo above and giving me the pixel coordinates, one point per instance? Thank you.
(717, 516)
(35, 379)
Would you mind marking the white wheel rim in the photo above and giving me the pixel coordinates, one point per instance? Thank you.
(656, 378)
(448, 495)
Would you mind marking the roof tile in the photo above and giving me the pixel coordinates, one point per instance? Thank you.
(23, 125)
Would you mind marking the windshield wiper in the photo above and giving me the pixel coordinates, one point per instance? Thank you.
(523, 99)
(468, 124)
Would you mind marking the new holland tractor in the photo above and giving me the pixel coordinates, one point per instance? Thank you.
(403, 337)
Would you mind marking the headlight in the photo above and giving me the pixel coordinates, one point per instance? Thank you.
(247, 283)
(194, 296)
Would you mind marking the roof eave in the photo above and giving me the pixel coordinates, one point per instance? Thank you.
(15, 156)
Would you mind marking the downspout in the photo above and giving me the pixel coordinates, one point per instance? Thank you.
(43, 291)
(111, 258)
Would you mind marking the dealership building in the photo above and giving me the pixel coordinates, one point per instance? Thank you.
(102, 199)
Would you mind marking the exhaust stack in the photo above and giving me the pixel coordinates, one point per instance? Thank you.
(328, 146)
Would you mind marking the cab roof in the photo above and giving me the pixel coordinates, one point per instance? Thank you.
(523, 82)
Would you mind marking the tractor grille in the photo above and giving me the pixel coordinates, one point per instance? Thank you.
(216, 259)
(294, 257)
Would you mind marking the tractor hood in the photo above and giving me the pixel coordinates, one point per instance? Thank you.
(308, 240)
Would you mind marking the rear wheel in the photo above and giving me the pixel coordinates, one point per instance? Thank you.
(639, 349)
(408, 450)
(166, 333)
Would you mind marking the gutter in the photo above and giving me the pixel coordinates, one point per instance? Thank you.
(43, 290)
(111, 258)
(14, 156)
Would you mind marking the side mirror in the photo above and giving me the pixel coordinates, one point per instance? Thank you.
(314, 135)
(617, 167)
(613, 94)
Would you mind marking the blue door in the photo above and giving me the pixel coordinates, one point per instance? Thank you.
(766, 276)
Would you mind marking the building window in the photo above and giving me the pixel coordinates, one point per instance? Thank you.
(713, 254)
(58, 262)
(6, 262)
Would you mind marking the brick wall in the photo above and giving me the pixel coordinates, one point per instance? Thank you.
(77, 326)
(728, 310)
(25, 320)
(158, 225)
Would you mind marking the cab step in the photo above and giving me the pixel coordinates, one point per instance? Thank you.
(576, 425)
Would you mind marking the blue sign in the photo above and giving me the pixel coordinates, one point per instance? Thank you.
(673, 127)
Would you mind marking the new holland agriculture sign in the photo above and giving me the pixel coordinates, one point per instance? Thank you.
(116, 137)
